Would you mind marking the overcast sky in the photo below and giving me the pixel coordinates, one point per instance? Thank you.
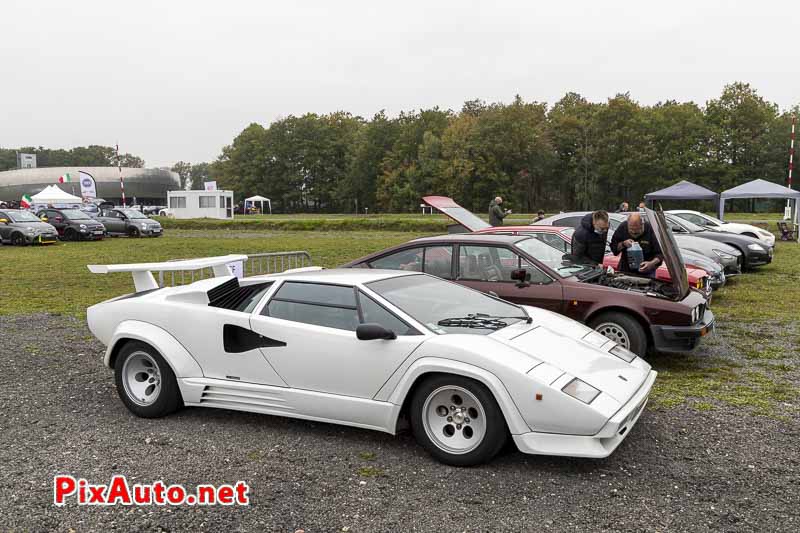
(172, 80)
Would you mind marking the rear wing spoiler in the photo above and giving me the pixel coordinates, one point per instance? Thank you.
(143, 279)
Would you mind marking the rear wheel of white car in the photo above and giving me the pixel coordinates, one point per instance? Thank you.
(622, 329)
(457, 420)
(145, 382)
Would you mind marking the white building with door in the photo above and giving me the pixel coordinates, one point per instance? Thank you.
(200, 204)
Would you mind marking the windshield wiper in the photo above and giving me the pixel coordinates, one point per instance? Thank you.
(481, 321)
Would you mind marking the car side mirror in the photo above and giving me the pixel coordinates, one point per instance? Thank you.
(3, 221)
(371, 332)
(521, 276)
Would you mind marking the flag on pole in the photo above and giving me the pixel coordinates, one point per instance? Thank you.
(26, 202)
(65, 178)
(121, 181)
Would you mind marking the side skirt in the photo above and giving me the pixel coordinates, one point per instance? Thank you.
(293, 403)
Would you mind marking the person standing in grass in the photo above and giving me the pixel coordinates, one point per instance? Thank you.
(497, 213)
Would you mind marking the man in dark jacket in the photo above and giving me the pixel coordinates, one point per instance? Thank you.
(589, 240)
(497, 213)
(635, 230)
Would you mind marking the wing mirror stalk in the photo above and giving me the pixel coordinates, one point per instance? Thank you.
(370, 332)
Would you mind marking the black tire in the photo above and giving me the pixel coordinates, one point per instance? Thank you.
(70, 235)
(18, 239)
(633, 330)
(496, 431)
(134, 233)
(168, 399)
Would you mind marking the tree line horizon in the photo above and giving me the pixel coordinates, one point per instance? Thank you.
(573, 155)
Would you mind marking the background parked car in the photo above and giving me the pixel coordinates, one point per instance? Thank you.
(151, 210)
(73, 224)
(130, 222)
(19, 227)
(709, 222)
(754, 252)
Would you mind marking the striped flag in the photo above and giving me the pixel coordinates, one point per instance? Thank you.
(65, 178)
(26, 202)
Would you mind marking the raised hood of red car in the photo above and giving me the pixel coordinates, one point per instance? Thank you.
(457, 213)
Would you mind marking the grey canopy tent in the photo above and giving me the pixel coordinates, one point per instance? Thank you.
(683, 190)
(761, 189)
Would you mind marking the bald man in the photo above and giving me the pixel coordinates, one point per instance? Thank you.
(497, 213)
(635, 230)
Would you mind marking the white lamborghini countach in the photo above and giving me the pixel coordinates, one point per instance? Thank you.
(366, 348)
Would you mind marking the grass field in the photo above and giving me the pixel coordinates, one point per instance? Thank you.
(751, 363)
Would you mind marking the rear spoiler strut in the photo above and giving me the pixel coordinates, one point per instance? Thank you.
(143, 279)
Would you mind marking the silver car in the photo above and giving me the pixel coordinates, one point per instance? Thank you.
(19, 227)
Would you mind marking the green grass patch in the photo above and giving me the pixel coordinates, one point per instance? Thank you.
(367, 456)
(55, 278)
(370, 471)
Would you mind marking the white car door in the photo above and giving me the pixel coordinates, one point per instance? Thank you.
(318, 322)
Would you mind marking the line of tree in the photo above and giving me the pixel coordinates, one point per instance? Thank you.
(575, 154)
(81, 156)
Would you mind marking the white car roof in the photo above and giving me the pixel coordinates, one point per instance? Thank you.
(346, 276)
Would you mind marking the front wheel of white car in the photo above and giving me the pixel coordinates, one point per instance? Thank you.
(457, 420)
(145, 382)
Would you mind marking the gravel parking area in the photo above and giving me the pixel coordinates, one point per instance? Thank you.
(679, 470)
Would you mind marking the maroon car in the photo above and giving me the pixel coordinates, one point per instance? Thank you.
(636, 312)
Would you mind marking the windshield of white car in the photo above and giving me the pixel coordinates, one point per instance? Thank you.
(431, 300)
(132, 213)
(552, 257)
(690, 226)
(22, 216)
(74, 214)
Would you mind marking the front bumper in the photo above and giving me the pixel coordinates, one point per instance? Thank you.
(732, 266)
(717, 280)
(92, 234)
(151, 232)
(670, 339)
(593, 446)
(42, 238)
(754, 259)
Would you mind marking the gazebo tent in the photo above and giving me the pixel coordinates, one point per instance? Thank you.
(53, 195)
(761, 189)
(261, 199)
(683, 190)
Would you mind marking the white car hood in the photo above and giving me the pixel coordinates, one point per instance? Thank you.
(595, 366)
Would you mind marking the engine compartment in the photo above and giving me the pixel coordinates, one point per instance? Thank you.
(648, 286)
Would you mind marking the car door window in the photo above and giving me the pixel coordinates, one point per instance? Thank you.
(438, 261)
(570, 222)
(554, 240)
(408, 259)
(491, 263)
(700, 221)
(374, 313)
(332, 306)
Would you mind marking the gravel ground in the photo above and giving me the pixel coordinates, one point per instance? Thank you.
(679, 470)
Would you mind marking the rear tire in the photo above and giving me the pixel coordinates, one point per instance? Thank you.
(457, 420)
(622, 329)
(145, 382)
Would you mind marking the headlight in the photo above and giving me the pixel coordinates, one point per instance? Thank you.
(580, 390)
(623, 353)
(83, 226)
(755, 247)
(723, 255)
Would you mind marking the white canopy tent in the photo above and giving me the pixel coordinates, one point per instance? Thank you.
(254, 199)
(763, 189)
(53, 195)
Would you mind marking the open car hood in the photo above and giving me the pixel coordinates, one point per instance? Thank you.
(457, 213)
(671, 251)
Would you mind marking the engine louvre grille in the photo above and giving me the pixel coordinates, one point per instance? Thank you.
(221, 290)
